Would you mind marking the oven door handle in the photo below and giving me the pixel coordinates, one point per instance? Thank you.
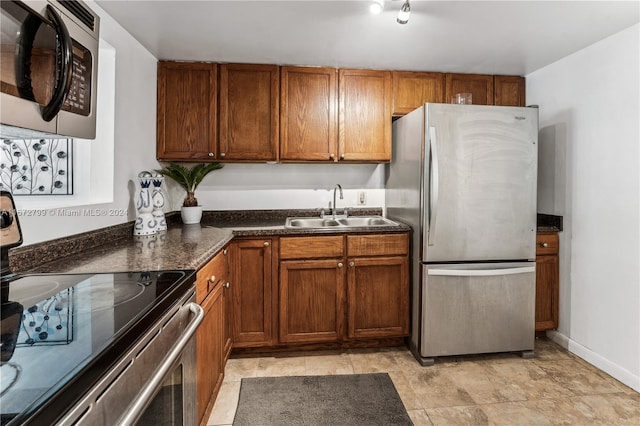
(145, 396)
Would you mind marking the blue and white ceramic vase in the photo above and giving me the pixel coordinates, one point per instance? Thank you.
(157, 198)
(145, 224)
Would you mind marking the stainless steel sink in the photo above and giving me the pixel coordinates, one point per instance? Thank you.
(344, 222)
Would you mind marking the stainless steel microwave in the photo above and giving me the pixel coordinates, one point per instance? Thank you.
(49, 64)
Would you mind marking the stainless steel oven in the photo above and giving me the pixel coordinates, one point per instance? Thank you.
(49, 69)
(99, 349)
(155, 382)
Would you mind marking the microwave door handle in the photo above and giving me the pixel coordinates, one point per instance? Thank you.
(63, 82)
(24, 46)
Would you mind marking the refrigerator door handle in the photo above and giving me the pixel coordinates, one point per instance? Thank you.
(433, 185)
(481, 272)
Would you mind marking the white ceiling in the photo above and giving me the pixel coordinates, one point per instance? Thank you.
(500, 37)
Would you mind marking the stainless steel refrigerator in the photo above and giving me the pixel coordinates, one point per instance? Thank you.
(464, 177)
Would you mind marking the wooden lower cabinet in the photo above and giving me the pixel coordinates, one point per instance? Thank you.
(211, 357)
(547, 281)
(311, 302)
(316, 306)
(378, 302)
(250, 292)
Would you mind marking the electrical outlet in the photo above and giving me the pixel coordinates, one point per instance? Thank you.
(362, 198)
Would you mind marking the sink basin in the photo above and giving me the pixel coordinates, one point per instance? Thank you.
(344, 222)
(366, 221)
(310, 222)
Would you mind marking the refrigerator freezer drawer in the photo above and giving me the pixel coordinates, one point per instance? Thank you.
(477, 308)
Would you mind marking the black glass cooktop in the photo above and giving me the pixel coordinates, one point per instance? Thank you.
(61, 333)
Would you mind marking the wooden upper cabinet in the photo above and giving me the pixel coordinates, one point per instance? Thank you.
(187, 111)
(249, 105)
(479, 85)
(364, 115)
(509, 90)
(413, 89)
(308, 113)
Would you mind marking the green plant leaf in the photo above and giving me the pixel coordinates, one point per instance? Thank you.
(188, 178)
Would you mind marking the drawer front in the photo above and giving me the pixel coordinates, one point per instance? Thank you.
(547, 243)
(214, 272)
(378, 245)
(311, 247)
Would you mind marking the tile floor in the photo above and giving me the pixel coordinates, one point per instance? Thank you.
(555, 387)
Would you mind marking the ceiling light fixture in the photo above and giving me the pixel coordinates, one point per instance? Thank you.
(405, 12)
(376, 7)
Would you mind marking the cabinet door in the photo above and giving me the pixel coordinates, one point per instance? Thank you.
(308, 117)
(413, 89)
(210, 364)
(547, 289)
(311, 301)
(251, 293)
(364, 123)
(249, 106)
(187, 111)
(509, 90)
(480, 86)
(378, 297)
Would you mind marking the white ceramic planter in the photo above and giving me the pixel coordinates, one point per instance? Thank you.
(191, 215)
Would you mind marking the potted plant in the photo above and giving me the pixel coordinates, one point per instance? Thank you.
(189, 179)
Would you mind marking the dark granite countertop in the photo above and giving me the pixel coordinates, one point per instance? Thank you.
(181, 247)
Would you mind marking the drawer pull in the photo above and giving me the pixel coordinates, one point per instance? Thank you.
(352, 264)
(212, 279)
(340, 265)
(545, 245)
(226, 285)
(266, 244)
(211, 154)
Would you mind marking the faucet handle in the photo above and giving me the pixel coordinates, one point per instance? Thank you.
(321, 213)
(346, 212)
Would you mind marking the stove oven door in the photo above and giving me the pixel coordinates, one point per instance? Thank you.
(155, 382)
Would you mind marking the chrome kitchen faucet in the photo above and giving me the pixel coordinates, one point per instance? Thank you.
(334, 209)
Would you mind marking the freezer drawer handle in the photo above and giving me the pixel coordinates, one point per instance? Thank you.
(433, 184)
(145, 396)
(481, 272)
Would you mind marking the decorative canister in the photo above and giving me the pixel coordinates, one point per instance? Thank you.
(145, 223)
(157, 199)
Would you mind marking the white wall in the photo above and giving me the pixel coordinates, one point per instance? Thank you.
(589, 161)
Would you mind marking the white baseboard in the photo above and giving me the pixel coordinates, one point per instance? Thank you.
(614, 370)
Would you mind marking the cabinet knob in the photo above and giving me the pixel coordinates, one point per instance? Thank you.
(211, 154)
(266, 244)
(222, 154)
(226, 285)
(332, 156)
(352, 264)
(340, 265)
(342, 156)
(212, 279)
(545, 245)
(224, 252)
